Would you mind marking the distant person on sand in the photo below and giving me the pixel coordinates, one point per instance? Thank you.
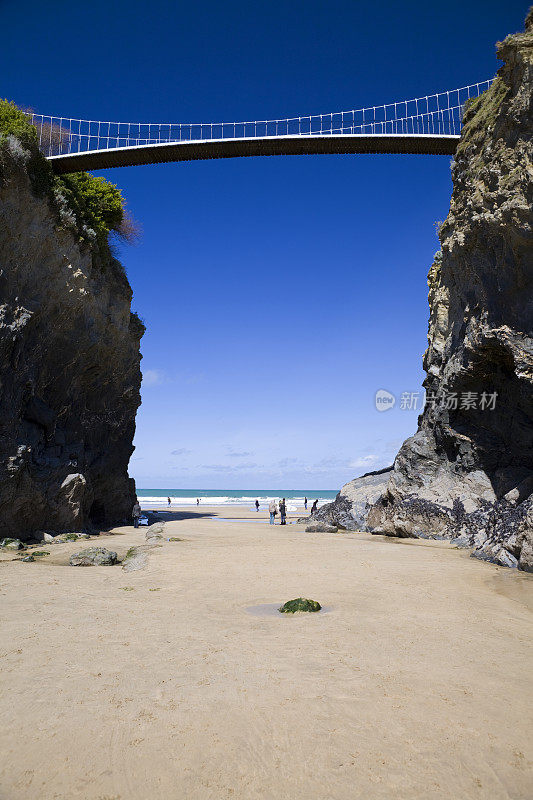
(197, 502)
(136, 514)
(257, 505)
(168, 501)
(283, 512)
(273, 509)
(314, 507)
(305, 503)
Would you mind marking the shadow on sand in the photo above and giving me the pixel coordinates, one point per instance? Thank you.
(177, 516)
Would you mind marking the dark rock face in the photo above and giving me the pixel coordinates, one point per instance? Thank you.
(350, 508)
(524, 539)
(69, 370)
(467, 473)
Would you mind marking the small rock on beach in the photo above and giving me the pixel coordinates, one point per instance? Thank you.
(321, 527)
(93, 556)
(300, 604)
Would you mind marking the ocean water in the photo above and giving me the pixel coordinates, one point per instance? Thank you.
(154, 498)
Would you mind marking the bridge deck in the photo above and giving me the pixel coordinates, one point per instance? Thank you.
(419, 144)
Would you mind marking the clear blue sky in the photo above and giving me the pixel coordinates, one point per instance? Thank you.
(279, 293)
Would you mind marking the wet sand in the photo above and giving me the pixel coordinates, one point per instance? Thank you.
(415, 683)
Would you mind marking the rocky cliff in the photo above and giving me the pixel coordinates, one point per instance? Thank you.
(350, 508)
(69, 367)
(467, 473)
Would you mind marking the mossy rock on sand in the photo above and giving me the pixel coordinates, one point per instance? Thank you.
(93, 556)
(155, 531)
(300, 604)
(137, 557)
(70, 537)
(11, 544)
(40, 553)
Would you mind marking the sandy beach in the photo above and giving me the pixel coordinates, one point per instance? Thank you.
(169, 682)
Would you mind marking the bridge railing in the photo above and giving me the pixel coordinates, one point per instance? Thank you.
(438, 114)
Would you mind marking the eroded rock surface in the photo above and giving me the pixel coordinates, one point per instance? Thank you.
(321, 527)
(155, 531)
(137, 557)
(70, 371)
(350, 508)
(467, 473)
(93, 557)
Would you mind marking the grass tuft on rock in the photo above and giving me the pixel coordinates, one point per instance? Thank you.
(480, 114)
(90, 207)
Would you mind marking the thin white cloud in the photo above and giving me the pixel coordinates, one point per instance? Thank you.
(364, 461)
(334, 461)
(192, 378)
(153, 377)
(228, 468)
(286, 462)
(333, 464)
(182, 451)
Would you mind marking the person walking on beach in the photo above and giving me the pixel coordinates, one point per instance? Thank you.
(168, 502)
(273, 509)
(197, 502)
(283, 512)
(136, 514)
(305, 503)
(314, 507)
(257, 505)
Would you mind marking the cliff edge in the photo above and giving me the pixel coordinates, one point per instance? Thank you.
(69, 356)
(467, 473)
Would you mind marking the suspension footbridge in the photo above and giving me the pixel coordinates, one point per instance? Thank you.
(425, 125)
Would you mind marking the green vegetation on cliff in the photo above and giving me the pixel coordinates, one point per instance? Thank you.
(480, 115)
(89, 206)
(17, 133)
(96, 203)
